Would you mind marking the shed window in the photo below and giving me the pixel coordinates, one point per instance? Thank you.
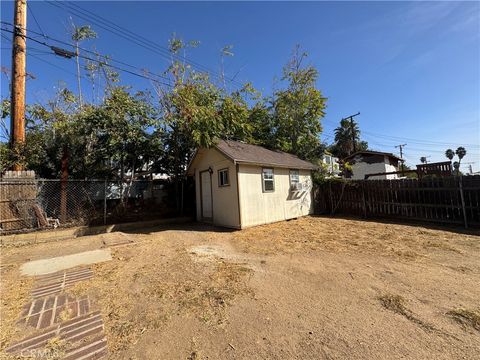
(223, 179)
(267, 180)
(294, 179)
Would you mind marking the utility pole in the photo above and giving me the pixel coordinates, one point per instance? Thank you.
(17, 114)
(352, 130)
(401, 154)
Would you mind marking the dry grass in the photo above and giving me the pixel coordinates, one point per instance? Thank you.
(466, 318)
(140, 291)
(346, 235)
(15, 292)
(396, 303)
(163, 280)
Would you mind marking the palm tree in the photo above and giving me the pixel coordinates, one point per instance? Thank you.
(450, 154)
(347, 138)
(461, 152)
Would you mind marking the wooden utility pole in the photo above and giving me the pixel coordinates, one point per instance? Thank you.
(352, 130)
(401, 154)
(17, 114)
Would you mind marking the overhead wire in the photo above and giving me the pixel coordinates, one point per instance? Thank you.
(97, 61)
(106, 57)
(35, 19)
(135, 38)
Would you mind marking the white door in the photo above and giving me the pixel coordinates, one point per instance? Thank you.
(206, 189)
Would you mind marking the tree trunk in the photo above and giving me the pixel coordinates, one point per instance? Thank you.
(78, 75)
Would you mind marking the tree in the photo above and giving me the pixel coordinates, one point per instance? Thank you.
(449, 153)
(345, 134)
(298, 109)
(423, 159)
(80, 33)
(460, 152)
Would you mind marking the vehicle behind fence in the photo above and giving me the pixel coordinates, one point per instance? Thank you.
(28, 204)
(452, 199)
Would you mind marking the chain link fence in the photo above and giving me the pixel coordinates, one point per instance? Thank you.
(30, 204)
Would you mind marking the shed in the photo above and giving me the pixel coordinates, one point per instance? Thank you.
(373, 162)
(239, 185)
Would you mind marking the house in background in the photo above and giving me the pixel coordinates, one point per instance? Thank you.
(240, 185)
(373, 162)
(331, 164)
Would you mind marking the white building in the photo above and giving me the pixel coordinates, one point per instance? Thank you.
(240, 185)
(373, 162)
(331, 164)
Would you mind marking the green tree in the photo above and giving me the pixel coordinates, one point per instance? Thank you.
(461, 152)
(79, 34)
(449, 153)
(347, 139)
(298, 109)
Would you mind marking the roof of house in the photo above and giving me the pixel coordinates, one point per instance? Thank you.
(243, 153)
(368, 152)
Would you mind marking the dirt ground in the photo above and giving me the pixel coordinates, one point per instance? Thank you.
(312, 288)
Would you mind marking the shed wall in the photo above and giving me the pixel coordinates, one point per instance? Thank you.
(225, 198)
(258, 207)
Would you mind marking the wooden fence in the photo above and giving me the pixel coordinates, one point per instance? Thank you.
(454, 200)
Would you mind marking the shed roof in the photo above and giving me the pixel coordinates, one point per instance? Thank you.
(369, 152)
(242, 153)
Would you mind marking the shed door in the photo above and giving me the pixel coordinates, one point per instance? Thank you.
(206, 196)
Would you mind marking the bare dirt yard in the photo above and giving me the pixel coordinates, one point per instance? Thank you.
(312, 288)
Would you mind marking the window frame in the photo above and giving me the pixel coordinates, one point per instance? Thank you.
(290, 176)
(219, 171)
(272, 180)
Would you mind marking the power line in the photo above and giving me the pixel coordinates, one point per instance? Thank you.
(94, 60)
(35, 19)
(130, 36)
(165, 49)
(418, 141)
(400, 138)
(55, 66)
(107, 58)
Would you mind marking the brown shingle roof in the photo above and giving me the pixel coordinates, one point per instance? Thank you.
(241, 152)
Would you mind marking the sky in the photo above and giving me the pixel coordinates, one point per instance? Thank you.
(412, 69)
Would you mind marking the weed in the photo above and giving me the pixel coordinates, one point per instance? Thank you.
(396, 303)
(466, 317)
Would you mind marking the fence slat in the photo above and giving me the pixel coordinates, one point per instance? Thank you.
(428, 199)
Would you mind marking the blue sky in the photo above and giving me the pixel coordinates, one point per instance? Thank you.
(411, 68)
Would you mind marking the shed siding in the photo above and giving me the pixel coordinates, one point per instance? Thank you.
(258, 207)
(225, 199)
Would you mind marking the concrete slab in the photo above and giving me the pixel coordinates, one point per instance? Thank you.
(51, 265)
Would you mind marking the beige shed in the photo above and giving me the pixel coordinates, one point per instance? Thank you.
(239, 185)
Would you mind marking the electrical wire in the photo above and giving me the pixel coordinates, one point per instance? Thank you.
(132, 37)
(35, 19)
(97, 61)
(107, 58)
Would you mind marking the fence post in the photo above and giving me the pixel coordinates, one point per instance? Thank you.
(363, 199)
(463, 202)
(105, 203)
(331, 197)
